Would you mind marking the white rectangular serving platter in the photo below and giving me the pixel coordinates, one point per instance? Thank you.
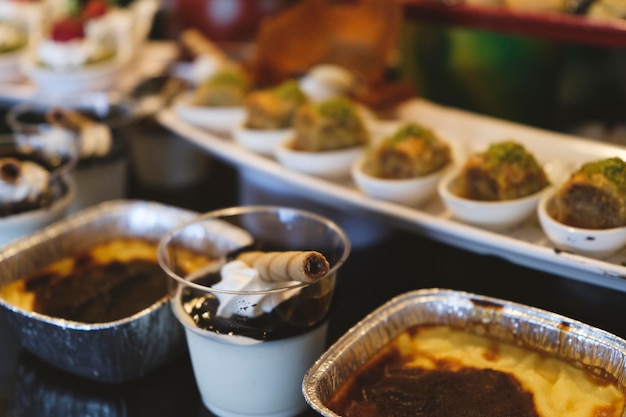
(525, 245)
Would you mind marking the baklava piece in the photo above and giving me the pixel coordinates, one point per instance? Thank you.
(329, 125)
(594, 197)
(413, 151)
(274, 108)
(505, 171)
(226, 88)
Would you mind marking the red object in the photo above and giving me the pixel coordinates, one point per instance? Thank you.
(95, 8)
(66, 29)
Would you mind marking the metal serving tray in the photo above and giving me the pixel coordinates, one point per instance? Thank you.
(112, 352)
(502, 320)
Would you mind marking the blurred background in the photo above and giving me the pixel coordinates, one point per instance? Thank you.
(547, 64)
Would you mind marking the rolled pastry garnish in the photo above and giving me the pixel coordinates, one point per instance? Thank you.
(303, 266)
(68, 119)
(10, 170)
(198, 44)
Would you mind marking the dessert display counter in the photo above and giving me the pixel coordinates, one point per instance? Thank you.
(396, 248)
(372, 275)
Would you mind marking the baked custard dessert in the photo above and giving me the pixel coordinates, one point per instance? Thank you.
(107, 282)
(412, 151)
(594, 196)
(329, 125)
(505, 171)
(273, 108)
(440, 371)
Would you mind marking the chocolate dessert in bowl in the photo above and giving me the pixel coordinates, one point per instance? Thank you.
(255, 311)
(99, 121)
(36, 188)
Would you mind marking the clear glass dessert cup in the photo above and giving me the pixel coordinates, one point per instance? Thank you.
(250, 348)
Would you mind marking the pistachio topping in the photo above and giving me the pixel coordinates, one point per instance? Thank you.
(510, 153)
(290, 91)
(613, 169)
(228, 76)
(338, 108)
(412, 130)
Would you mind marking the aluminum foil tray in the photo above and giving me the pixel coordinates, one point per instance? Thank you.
(112, 352)
(505, 321)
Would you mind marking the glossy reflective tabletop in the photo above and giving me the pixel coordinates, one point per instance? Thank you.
(399, 263)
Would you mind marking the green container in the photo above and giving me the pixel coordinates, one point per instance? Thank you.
(506, 76)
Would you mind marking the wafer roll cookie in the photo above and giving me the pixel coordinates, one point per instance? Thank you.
(198, 44)
(67, 118)
(303, 266)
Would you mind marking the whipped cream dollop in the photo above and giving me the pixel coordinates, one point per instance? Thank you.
(67, 55)
(326, 81)
(239, 276)
(21, 180)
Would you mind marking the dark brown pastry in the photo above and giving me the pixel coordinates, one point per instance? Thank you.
(505, 171)
(594, 197)
(413, 151)
(274, 108)
(330, 125)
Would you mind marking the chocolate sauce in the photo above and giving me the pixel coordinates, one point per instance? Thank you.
(387, 389)
(294, 316)
(97, 293)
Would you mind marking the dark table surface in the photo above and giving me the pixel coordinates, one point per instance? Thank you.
(372, 275)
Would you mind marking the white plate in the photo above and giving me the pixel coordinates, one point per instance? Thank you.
(526, 245)
(407, 191)
(333, 164)
(259, 141)
(221, 120)
(96, 77)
